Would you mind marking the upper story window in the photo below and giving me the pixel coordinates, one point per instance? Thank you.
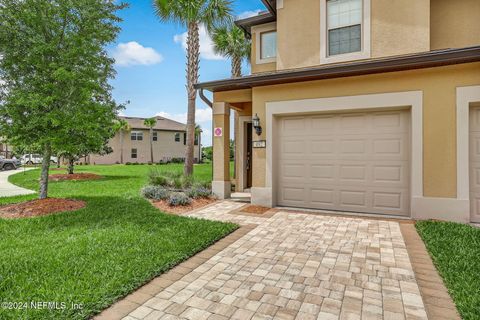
(344, 23)
(177, 137)
(268, 45)
(265, 43)
(136, 136)
(155, 136)
(345, 30)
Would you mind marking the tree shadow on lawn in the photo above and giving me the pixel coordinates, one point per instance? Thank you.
(95, 255)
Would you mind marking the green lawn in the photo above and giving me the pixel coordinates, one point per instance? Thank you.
(455, 250)
(96, 255)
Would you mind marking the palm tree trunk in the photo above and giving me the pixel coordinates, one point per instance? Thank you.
(151, 145)
(193, 61)
(47, 152)
(236, 67)
(122, 133)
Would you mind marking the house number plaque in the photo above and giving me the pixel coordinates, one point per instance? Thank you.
(260, 144)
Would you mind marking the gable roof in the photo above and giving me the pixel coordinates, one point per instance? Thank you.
(163, 124)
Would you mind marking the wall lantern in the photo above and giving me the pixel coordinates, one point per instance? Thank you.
(256, 124)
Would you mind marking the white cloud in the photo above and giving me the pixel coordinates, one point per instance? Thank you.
(206, 44)
(132, 53)
(201, 116)
(248, 14)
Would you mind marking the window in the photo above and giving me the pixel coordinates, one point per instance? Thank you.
(177, 137)
(136, 136)
(196, 139)
(345, 30)
(268, 45)
(185, 139)
(134, 153)
(344, 22)
(155, 136)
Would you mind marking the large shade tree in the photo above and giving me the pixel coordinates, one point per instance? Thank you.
(55, 67)
(192, 14)
(230, 41)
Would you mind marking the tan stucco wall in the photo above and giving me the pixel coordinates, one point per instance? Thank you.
(439, 87)
(397, 27)
(298, 32)
(234, 96)
(164, 147)
(455, 24)
(400, 27)
(220, 172)
(263, 67)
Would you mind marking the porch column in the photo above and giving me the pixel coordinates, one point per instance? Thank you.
(221, 185)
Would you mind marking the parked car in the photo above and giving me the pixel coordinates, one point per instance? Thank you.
(9, 164)
(35, 159)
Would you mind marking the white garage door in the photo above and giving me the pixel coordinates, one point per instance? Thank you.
(358, 162)
(475, 164)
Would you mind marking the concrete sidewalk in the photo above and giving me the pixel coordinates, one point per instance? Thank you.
(7, 189)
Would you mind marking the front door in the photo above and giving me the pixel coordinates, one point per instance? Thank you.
(248, 162)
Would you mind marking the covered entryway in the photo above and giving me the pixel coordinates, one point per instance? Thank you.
(357, 162)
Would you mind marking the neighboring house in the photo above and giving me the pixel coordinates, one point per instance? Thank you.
(366, 106)
(5, 149)
(169, 142)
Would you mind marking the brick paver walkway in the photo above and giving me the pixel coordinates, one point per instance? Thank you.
(296, 266)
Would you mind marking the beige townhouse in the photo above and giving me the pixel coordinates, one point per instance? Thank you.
(5, 149)
(368, 106)
(133, 145)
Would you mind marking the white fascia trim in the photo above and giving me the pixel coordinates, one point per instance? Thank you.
(279, 4)
(465, 96)
(412, 99)
(258, 30)
(366, 37)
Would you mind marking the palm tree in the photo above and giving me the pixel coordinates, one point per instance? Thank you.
(192, 14)
(230, 41)
(150, 123)
(122, 127)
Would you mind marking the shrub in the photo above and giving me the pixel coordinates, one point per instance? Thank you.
(155, 193)
(199, 191)
(175, 180)
(179, 199)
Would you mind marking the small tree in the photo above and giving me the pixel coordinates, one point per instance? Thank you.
(55, 68)
(230, 41)
(150, 123)
(86, 139)
(191, 14)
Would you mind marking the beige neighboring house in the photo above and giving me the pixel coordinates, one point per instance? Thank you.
(168, 143)
(5, 149)
(368, 106)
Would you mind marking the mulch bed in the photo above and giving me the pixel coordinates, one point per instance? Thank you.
(256, 209)
(163, 205)
(42, 207)
(74, 177)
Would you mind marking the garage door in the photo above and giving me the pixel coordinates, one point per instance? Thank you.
(475, 164)
(358, 162)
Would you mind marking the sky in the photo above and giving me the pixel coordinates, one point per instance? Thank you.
(150, 64)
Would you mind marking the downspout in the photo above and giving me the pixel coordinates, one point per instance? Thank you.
(210, 104)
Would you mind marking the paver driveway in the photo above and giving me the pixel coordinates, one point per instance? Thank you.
(297, 266)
